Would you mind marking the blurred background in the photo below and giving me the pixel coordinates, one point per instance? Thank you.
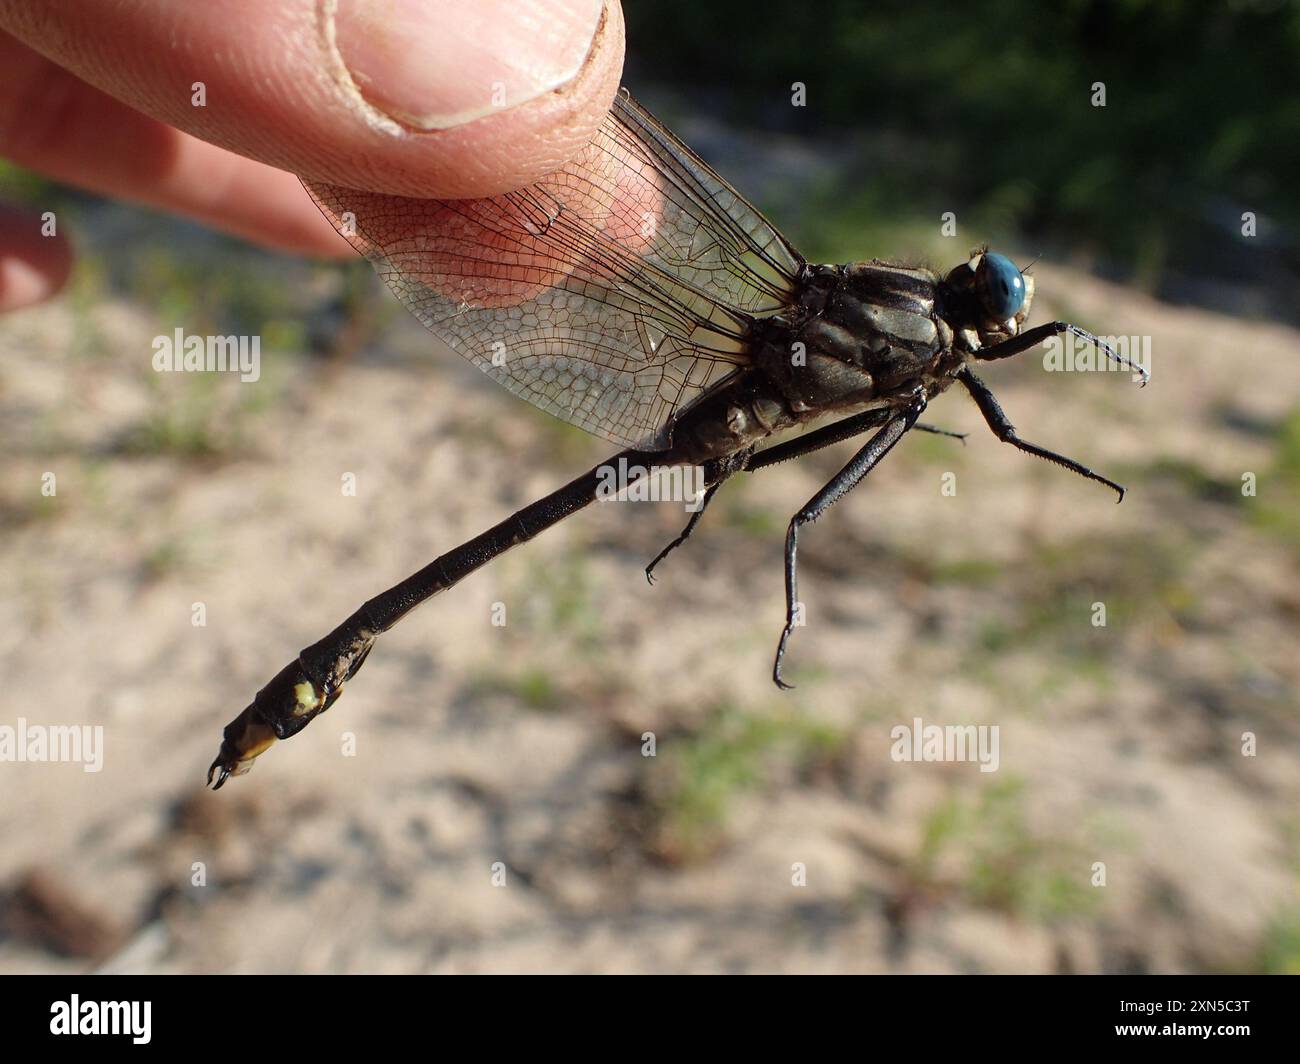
(1120, 745)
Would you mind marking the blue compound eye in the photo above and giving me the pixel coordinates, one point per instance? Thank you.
(1001, 288)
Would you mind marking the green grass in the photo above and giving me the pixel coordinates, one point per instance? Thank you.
(1013, 144)
(533, 687)
(1280, 953)
(1275, 510)
(1141, 579)
(221, 287)
(741, 517)
(201, 417)
(557, 597)
(164, 559)
(733, 754)
(962, 572)
(559, 445)
(1003, 863)
(1190, 479)
(30, 507)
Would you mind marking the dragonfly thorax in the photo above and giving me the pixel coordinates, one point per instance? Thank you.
(862, 334)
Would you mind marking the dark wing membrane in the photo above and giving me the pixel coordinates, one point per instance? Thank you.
(611, 293)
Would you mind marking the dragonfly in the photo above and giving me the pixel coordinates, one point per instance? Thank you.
(636, 294)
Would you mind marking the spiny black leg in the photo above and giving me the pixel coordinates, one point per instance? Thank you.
(843, 482)
(812, 441)
(1035, 336)
(1006, 432)
(819, 438)
(716, 472)
(685, 534)
(832, 434)
(784, 452)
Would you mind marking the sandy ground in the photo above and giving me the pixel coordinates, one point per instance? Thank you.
(498, 813)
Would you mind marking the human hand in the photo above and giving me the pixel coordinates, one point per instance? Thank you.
(210, 109)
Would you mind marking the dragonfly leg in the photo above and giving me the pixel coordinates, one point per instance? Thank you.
(716, 472)
(843, 482)
(812, 441)
(1006, 432)
(822, 437)
(921, 426)
(835, 433)
(1037, 335)
(685, 533)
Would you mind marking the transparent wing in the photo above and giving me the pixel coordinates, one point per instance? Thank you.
(611, 293)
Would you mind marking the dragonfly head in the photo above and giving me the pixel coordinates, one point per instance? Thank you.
(989, 297)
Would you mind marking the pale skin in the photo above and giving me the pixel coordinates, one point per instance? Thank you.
(432, 98)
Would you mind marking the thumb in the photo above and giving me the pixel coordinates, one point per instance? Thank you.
(429, 98)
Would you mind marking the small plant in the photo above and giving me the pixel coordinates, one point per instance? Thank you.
(1281, 947)
(733, 754)
(986, 851)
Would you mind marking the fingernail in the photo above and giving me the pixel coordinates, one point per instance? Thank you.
(437, 64)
